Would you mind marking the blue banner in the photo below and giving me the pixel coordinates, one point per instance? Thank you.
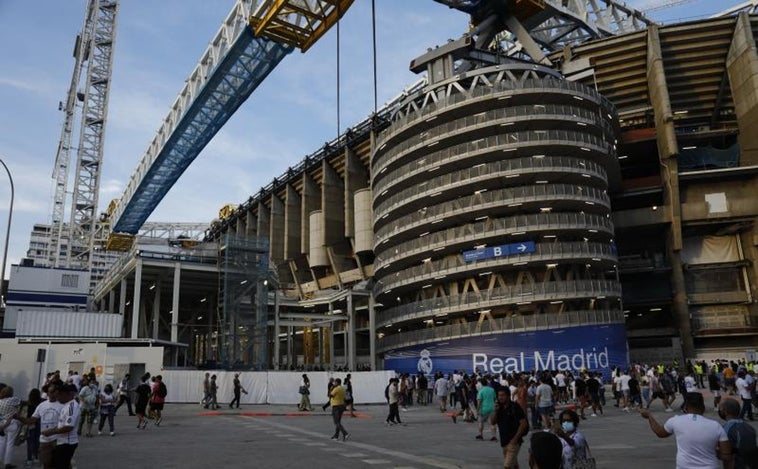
(490, 252)
(595, 348)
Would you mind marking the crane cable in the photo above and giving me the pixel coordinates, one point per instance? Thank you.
(373, 33)
(339, 17)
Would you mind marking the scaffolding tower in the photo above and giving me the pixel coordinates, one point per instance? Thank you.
(243, 309)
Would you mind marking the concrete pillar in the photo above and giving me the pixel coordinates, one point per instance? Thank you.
(122, 298)
(112, 301)
(742, 67)
(331, 339)
(356, 178)
(668, 150)
(332, 206)
(251, 224)
(156, 310)
(277, 353)
(242, 225)
(311, 201)
(350, 332)
(292, 222)
(264, 220)
(372, 332)
(276, 233)
(176, 286)
(290, 347)
(136, 299)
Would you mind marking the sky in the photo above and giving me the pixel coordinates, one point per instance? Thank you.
(292, 114)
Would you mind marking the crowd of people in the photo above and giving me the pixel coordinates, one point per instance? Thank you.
(52, 419)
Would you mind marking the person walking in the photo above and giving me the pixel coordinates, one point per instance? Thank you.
(440, 389)
(745, 389)
(700, 441)
(212, 394)
(544, 397)
(337, 401)
(485, 405)
(238, 390)
(576, 451)
(741, 434)
(107, 409)
(9, 425)
(66, 429)
(123, 395)
(143, 396)
(205, 402)
(512, 425)
(393, 396)
(158, 393)
(32, 437)
(88, 405)
(349, 397)
(46, 416)
(329, 387)
(305, 394)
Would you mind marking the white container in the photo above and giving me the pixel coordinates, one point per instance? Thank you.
(68, 324)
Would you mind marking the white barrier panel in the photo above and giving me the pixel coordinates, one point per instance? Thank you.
(275, 387)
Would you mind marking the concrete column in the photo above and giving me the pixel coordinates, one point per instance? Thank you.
(277, 230)
(356, 178)
(264, 220)
(112, 301)
(668, 150)
(251, 224)
(292, 221)
(136, 299)
(372, 332)
(311, 201)
(290, 347)
(277, 353)
(156, 309)
(742, 67)
(122, 298)
(332, 206)
(350, 332)
(331, 338)
(176, 286)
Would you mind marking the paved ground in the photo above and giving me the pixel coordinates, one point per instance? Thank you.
(280, 437)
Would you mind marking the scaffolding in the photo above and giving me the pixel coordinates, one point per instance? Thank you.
(243, 305)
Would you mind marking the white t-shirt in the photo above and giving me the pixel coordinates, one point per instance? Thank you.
(69, 417)
(560, 379)
(689, 384)
(697, 440)
(624, 382)
(544, 395)
(742, 388)
(48, 414)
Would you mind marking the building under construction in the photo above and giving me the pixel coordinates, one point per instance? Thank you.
(506, 214)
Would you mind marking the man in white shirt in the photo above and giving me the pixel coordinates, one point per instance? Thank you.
(744, 385)
(65, 430)
(625, 390)
(47, 413)
(700, 441)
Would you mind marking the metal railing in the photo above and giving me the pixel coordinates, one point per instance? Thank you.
(522, 294)
(544, 252)
(489, 230)
(417, 107)
(514, 323)
(504, 116)
(481, 202)
(506, 141)
(500, 168)
(724, 321)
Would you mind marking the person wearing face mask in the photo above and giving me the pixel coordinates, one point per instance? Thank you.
(575, 449)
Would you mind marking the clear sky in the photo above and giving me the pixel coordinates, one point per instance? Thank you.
(289, 116)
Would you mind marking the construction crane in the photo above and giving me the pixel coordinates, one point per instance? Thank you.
(88, 92)
(662, 5)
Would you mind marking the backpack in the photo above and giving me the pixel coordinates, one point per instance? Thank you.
(741, 435)
(162, 391)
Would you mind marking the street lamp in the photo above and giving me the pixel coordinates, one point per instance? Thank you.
(8, 229)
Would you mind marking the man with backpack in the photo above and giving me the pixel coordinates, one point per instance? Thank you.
(157, 399)
(740, 434)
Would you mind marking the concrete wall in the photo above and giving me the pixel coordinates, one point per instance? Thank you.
(19, 368)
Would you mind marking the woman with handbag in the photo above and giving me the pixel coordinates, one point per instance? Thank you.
(305, 399)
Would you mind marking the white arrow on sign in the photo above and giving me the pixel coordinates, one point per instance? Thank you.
(521, 247)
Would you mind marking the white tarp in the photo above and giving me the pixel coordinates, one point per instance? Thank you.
(274, 387)
(710, 249)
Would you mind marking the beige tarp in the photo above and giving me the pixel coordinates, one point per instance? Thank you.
(710, 249)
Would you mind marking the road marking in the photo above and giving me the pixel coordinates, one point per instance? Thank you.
(376, 461)
(366, 447)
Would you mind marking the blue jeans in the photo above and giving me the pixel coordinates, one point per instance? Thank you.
(747, 408)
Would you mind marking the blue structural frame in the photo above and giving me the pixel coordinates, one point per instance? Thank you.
(247, 63)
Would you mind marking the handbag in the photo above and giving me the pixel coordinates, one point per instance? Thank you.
(21, 436)
(303, 390)
(588, 463)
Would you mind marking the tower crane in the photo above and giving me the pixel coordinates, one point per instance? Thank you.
(88, 92)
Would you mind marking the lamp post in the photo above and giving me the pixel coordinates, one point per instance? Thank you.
(8, 229)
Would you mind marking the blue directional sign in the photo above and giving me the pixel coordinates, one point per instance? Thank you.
(490, 252)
